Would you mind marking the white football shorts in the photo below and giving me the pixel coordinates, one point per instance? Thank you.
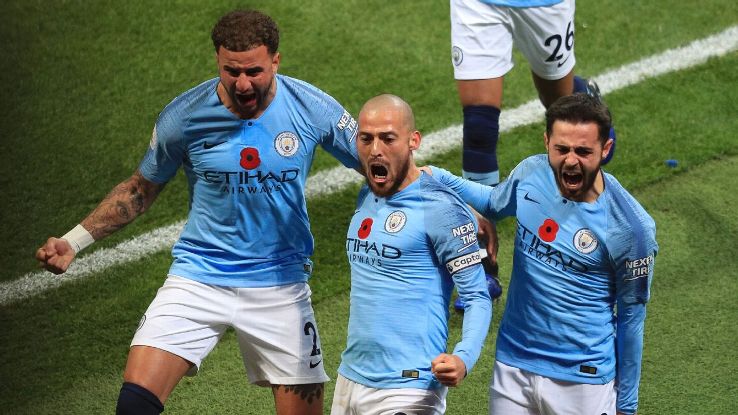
(275, 326)
(351, 398)
(518, 392)
(482, 37)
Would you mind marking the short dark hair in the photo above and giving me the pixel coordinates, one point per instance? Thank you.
(242, 30)
(580, 108)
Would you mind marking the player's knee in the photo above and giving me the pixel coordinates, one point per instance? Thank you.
(137, 400)
(481, 127)
(481, 130)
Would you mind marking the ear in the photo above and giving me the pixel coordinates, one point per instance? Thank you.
(415, 140)
(275, 61)
(606, 148)
(545, 139)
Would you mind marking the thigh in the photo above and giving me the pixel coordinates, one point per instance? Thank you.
(545, 35)
(511, 391)
(186, 319)
(568, 398)
(278, 335)
(481, 40)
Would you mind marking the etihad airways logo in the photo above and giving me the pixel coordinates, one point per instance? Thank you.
(535, 247)
(251, 181)
(369, 252)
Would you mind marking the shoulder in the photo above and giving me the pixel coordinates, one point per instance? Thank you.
(434, 192)
(441, 204)
(190, 99)
(180, 109)
(626, 216)
(306, 95)
(532, 164)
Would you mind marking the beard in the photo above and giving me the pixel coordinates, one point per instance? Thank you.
(390, 187)
(575, 184)
(259, 95)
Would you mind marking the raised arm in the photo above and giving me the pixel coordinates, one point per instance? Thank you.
(121, 206)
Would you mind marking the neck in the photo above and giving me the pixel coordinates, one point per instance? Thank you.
(597, 188)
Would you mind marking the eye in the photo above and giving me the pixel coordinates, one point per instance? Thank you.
(583, 152)
(254, 71)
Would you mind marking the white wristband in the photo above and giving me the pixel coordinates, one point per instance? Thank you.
(78, 238)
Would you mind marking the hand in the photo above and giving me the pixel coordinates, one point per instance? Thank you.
(449, 369)
(487, 235)
(55, 255)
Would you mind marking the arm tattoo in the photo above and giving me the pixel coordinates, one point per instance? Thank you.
(121, 206)
(309, 392)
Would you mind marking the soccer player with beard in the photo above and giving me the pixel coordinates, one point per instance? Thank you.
(410, 241)
(246, 141)
(571, 337)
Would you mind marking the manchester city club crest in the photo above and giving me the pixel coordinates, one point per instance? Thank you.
(585, 241)
(457, 55)
(286, 143)
(395, 222)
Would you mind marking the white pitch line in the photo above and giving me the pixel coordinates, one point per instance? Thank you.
(335, 179)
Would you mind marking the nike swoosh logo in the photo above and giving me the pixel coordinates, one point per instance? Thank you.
(208, 146)
(314, 365)
(560, 64)
(526, 197)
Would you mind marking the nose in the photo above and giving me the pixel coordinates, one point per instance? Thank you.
(571, 159)
(376, 147)
(242, 82)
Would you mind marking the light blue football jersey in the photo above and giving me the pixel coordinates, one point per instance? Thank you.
(573, 263)
(522, 3)
(248, 224)
(406, 253)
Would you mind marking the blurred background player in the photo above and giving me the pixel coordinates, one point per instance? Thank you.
(410, 241)
(245, 140)
(482, 37)
(584, 249)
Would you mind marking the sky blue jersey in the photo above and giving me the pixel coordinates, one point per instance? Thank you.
(573, 263)
(406, 252)
(248, 224)
(522, 3)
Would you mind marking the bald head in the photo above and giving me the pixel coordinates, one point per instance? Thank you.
(389, 102)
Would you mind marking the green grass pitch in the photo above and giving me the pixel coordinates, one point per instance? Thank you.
(83, 81)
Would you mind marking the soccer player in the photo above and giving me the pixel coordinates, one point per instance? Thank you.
(571, 337)
(245, 140)
(482, 36)
(410, 240)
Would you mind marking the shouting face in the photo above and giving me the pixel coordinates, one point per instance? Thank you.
(575, 153)
(247, 80)
(385, 144)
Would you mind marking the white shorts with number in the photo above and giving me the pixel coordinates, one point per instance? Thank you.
(482, 37)
(351, 398)
(275, 327)
(518, 392)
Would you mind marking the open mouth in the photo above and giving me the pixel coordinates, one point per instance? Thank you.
(378, 172)
(572, 179)
(246, 99)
